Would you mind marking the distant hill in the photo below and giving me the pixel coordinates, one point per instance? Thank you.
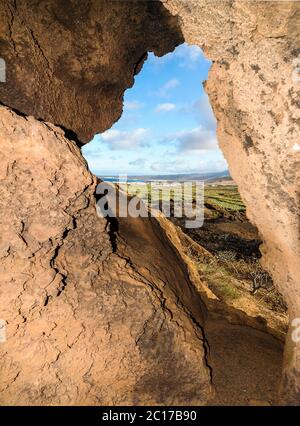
(225, 180)
(178, 177)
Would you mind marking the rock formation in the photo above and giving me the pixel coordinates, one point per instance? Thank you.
(88, 323)
(69, 62)
(254, 90)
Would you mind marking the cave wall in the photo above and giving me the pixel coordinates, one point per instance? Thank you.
(255, 94)
(69, 61)
(85, 324)
(65, 301)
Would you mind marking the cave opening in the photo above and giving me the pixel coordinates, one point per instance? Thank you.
(167, 125)
(167, 133)
(143, 290)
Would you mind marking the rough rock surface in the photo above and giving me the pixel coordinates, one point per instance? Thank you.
(133, 333)
(69, 61)
(254, 90)
(86, 325)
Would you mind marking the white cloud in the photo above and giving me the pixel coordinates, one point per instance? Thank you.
(189, 55)
(186, 55)
(166, 107)
(141, 162)
(197, 139)
(169, 85)
(91, 150)
(157, 62)
(185, 165)
(202, 111)
(170, 166)
(133, 105)
(117, 139)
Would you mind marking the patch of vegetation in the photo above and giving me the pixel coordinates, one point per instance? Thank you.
(229, 277)
(231, 266)
(224, 196)
(219, 280)
(215, 196)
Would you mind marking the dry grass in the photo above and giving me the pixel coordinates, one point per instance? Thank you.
(229, 278)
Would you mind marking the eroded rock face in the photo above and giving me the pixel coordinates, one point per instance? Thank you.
(86, 325)
(255, 94)
(69, 62)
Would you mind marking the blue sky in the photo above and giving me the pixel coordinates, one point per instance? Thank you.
(167, 125)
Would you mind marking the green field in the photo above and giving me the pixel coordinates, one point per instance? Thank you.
(219, 196)
(223, 196)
